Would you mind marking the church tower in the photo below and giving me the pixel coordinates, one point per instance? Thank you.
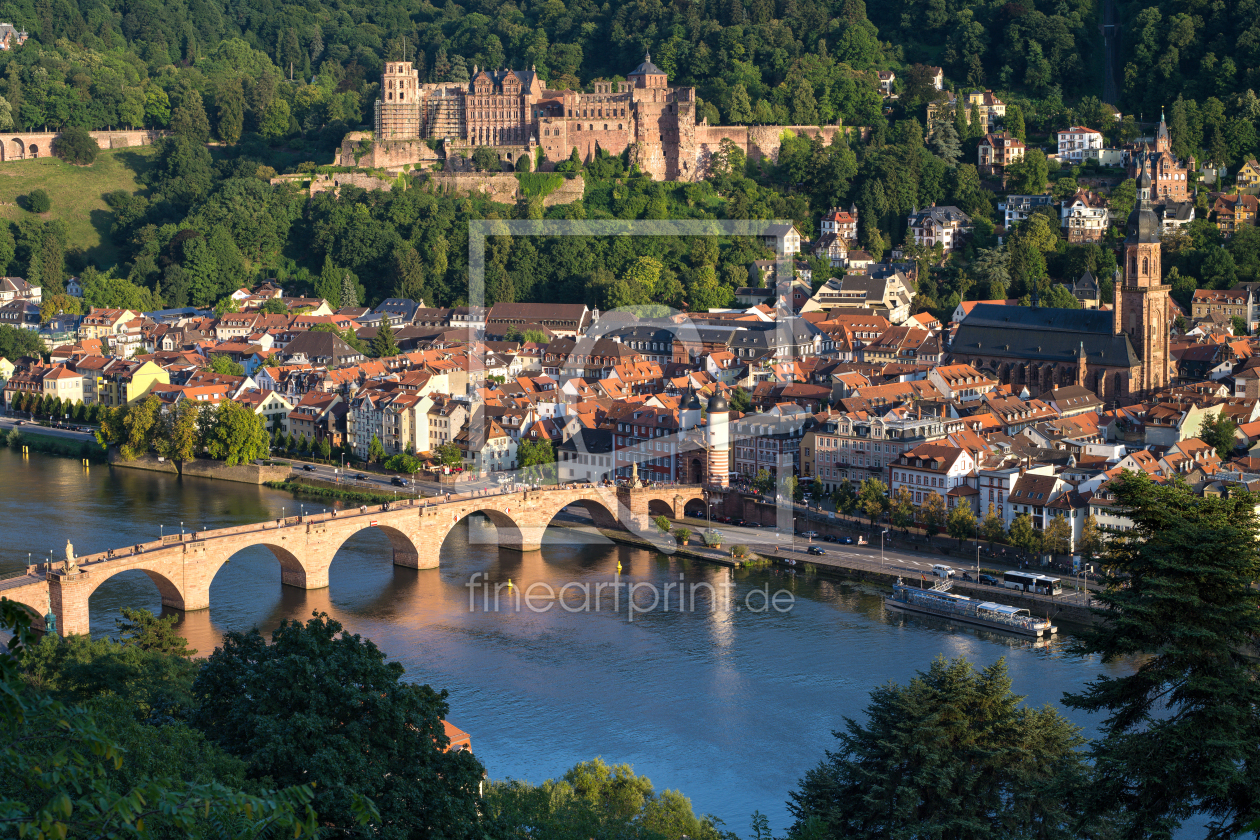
(1143, 311)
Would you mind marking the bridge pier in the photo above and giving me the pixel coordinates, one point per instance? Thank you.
(68, 595)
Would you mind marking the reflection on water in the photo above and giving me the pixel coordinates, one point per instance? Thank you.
(729, 706)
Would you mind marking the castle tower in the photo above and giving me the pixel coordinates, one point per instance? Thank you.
(1143, 311)
(718, 433)
(1163, 140)
(398, 108)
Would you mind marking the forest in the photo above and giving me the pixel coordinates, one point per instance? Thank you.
(252, 89)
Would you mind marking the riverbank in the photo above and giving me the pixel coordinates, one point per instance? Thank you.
(48, 445)
(314, 488)
(200, 468)
(833, 566)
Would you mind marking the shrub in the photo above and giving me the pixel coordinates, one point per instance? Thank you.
(75, 145)
(683, 534)
(739, 551)
(38, 201)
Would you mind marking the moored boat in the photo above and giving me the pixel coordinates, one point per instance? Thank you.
(940, 602)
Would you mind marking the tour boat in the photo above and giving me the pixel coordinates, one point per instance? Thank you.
(940, 602)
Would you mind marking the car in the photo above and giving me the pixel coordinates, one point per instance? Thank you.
(20, 423)
(829, 538)
(360, 477)
(967, 576)
(988, 580)
(308, 468)
(810, 535)
(846, 540)
(397, 482)
(737, 522)
(750, 525)
(815, 550)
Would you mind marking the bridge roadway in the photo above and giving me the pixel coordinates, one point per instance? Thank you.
(183, 565)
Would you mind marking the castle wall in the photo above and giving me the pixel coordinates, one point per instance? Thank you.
(36, 144)
(501, 187)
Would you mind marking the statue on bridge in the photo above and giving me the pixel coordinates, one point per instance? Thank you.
(71, 566)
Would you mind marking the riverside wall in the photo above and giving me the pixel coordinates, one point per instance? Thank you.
(242, 473)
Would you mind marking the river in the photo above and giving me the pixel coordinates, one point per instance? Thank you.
(727, 704)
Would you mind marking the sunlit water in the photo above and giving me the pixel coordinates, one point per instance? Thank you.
(727, 705)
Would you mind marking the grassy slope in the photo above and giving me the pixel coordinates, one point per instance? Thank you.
(77, 194)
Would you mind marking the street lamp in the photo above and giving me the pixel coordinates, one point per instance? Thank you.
(977, 561)
(161, 532)
(881, 549)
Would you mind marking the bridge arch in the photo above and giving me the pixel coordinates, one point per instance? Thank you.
(168, 586)
(660, 507)
(35, 611)
(405, 551)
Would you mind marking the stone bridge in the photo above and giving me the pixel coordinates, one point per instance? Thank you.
(37, 144)
(183, 565)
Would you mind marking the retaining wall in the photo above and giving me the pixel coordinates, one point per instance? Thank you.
(243, 473)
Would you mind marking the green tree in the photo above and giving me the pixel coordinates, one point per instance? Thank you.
(146, 631)
(1014, 122)
(1023, 535)
(222, 364)
(595, 800)
(131, 427)
(236, 434)
(1181, 726)
(1219, 432)
(37, 201)
(537, 461)
(449, 455)
(1029, 175)
(1057, 537)
(383, 344)
(932, 512)
(740, 400)
(274, 306)
(325, 708)
(662, 524)
(845, 498)
(486, 159)
(872, 498)
(275, 121)
(961, 524)
(1122, 199)
(1092, 542)
(993, 528)
(180, 437)
(16, 342)
(95, 771)
(952, 754)
(376, 452)
(325, 451)
(901, 509)
(231, 102)
(188, 117)
(75, 145)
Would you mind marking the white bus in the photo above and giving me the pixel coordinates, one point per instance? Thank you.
(1032, 582)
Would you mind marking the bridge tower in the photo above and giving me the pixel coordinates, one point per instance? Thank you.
(718, 433)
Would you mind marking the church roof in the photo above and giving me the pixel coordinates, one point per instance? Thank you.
(647, 68)
(1042, 334)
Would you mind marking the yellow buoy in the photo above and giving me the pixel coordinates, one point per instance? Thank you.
(619, 565)
(509, 584)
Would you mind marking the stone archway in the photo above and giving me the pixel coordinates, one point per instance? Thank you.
(172, 593)
(33, 150)
(660, 507)
(18, 148)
